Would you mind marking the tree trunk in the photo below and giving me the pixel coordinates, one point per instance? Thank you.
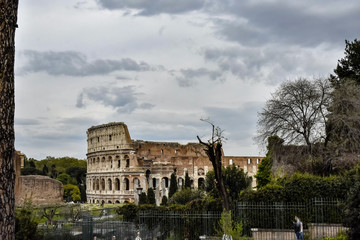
(214, 154)
(8, 23)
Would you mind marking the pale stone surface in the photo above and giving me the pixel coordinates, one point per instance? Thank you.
(117, 166)
(42, 189)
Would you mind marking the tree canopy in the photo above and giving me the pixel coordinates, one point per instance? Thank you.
(348, 68)
(296, 112)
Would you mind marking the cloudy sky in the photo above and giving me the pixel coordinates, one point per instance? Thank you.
(162, 65)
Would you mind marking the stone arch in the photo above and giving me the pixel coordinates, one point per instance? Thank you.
(109, 184)
(97, 184)
(201, 172)
(118, 161)
(109, 201)
(165, 182)
(127, 161)
(117, 184)
(93, 184)
(154, 183)
(102, 184)
(181, 182)
(126, 184)
(117, 201)
(136, 183)
(110, 161)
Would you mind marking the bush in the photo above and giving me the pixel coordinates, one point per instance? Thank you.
(26, 222)
(185, 195)
(128, 211)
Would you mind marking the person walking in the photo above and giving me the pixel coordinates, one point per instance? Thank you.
(298, 228)
(138, 236)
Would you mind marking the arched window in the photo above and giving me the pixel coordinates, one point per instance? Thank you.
(97, 184)
(136, 183)
(180, 182)
(165, 182)
(109, 184)
(117, 184)
(127, 161)
(111, 162)
(102, 184)
(118, 161)
(93, 184)
(201, 172)
(230, 162)
(127, 184)
(154, 183)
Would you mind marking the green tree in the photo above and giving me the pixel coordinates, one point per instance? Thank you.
(54, 172)
(142, 198)
(45, 170)
(264, 175)
(66, 179)
(187, 180)
(348, 68)
(352, 210)
(164, 201)
(185, 196)
(71, 193)
(31, 171)
(173, 185)
(230, 228)
(235, 180)
(26, 221)
(151, 196)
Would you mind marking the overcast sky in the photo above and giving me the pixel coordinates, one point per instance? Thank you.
(161, 65)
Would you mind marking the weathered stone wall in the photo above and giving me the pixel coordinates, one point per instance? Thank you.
(42, 189)
(118, 168)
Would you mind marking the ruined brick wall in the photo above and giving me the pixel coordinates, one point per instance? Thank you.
(118, 168)
(42, 189)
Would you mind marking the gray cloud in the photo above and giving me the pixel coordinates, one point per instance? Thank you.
(154, 7)
(26, 121)
(76, 64)
(305, 24)
(238, 123)
(123, 99)
(187, 77)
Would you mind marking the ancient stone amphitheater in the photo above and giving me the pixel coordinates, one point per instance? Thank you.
(119, 168)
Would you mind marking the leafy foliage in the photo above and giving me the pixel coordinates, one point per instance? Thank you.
(230, 228)
(26, 221)
(143, 198)
(128, 211)
(185, 196)
(352, 210)
(348, 67)
(71, 192)
(151, 196)
(235, 180)
(299, 188)
(173, 185)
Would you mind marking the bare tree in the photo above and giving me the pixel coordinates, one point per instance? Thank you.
(213, 149)
(296, 112)
(8, 24)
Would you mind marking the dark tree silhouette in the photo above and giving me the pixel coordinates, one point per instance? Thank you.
(213, 149)
(8, 24)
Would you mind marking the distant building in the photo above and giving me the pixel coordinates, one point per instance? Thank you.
(119, 168)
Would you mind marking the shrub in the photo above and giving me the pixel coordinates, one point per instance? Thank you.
(185, 195)
(26, 222)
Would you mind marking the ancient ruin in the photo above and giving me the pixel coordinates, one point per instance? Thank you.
(41, 189)
(119, 168)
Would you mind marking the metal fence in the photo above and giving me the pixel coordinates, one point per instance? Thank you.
(321, 218)
(261, 221)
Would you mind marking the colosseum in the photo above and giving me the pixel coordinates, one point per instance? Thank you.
(119, 168)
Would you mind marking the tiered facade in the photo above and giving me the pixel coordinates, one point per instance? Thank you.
(118, 168)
